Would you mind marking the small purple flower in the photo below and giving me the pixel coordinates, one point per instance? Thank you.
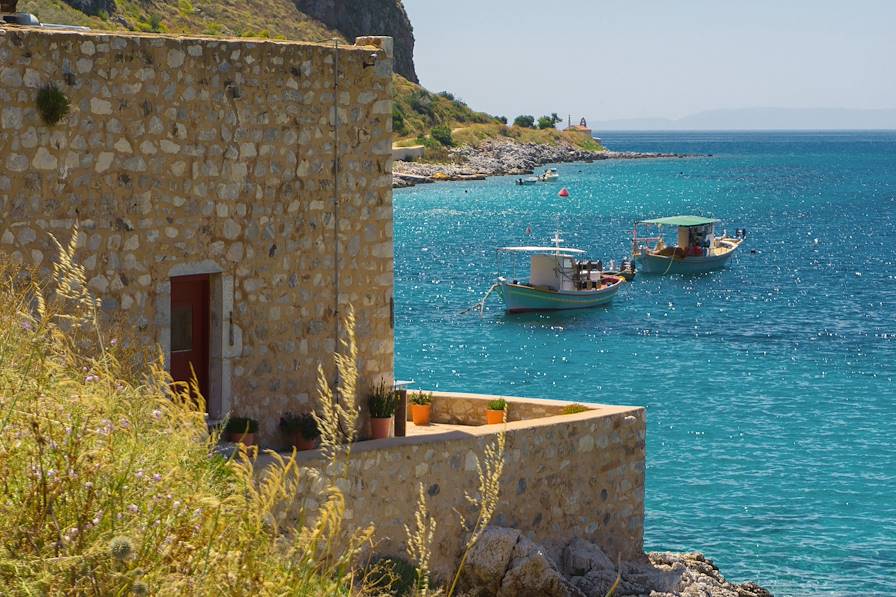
(157, 414)
(139, 474)
(133, 508)
(113, 341)
(91, 378)
(157, 477)
(26, 325)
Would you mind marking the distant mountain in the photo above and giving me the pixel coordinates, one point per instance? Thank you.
(761, 119)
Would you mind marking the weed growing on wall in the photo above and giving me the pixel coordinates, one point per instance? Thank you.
(110, 483)
(52, 105)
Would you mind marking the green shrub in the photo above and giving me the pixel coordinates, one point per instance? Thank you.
(421, 103)
(524, 121)
(442, 134)
(398, 125)
(421, 398)
(499, 404)
(304, 424)
(52, 104)
(383, 401)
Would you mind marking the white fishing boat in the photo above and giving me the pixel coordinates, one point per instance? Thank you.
(550, 175)
(697, 249)
(527, 181)
(557, 281)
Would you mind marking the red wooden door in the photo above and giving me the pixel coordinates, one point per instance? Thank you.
(190, 329)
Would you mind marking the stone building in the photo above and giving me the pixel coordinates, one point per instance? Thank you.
(234, 197)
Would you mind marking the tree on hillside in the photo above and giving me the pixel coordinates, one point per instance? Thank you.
(501, 119)
(524, 121)
(549, 122)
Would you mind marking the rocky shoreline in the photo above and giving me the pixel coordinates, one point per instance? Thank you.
(505, 563)
(499, 157)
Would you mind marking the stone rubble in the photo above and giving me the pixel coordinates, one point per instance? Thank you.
(499, 157)
(504, 563)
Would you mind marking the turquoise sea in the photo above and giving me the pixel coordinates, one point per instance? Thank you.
(770, 387)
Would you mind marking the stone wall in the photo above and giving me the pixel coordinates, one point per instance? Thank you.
(459, 408)
(566, 476)
(212, 156)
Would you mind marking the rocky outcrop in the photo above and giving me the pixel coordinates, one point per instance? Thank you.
(504, 563)
(354, 18)
(93, 7)
(499, 157)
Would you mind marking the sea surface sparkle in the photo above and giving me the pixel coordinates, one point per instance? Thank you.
(770, 387)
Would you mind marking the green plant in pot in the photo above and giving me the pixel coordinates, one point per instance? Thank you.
(381, 404)
(241, 430)
(496, 412)
(421, 408)
(301, 430)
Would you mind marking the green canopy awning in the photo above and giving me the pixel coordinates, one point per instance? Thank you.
(686, 221)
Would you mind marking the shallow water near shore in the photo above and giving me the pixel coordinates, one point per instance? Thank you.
(770, 386)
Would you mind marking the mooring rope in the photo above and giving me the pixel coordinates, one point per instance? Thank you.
(481, 303)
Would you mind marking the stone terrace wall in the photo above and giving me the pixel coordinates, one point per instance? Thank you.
(579, 475)
(196, 155)
(469, 409)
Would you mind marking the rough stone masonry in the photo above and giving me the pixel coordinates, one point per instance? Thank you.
(184, 155)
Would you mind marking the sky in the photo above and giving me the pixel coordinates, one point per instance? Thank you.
(621, 59)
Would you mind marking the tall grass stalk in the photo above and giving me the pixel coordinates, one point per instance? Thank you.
(109, 482)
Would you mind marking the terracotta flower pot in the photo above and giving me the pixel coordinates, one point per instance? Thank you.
(420, 413)
(301, 443)
(247, 439)
(380, 428)
(494, 417)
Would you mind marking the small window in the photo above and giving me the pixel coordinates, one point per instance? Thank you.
(182, 328)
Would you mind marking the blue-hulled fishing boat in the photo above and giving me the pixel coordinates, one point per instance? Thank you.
(697, 250)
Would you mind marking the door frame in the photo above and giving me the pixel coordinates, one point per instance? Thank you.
(225, 337)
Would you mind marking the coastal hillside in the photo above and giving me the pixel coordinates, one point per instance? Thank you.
(438, 121)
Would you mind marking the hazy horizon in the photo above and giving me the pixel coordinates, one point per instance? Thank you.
(666, 63)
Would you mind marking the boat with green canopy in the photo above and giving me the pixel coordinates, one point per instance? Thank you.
(697, 249)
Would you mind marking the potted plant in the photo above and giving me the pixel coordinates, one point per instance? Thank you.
(496, 412)
(381, 403)
(301, 430)
(241, 430)
(421, 408)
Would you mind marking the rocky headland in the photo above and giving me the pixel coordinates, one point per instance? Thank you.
(499, 157)
(505, 563)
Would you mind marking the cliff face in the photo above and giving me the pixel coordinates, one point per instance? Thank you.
(353, 18)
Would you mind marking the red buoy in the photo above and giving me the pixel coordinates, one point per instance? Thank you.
(563, 192)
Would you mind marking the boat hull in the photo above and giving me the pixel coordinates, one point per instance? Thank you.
(661, 264)
(519, 299)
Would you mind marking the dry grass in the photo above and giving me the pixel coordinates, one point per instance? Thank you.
(109, 483)
(247, 18)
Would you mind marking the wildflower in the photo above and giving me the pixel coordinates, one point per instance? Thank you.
(113, 341)
(139, 474)
(121, 548)
(88, 485)
(133, 508)
(157, 414)
(26, 325)
(91, 378)
(157, 477)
